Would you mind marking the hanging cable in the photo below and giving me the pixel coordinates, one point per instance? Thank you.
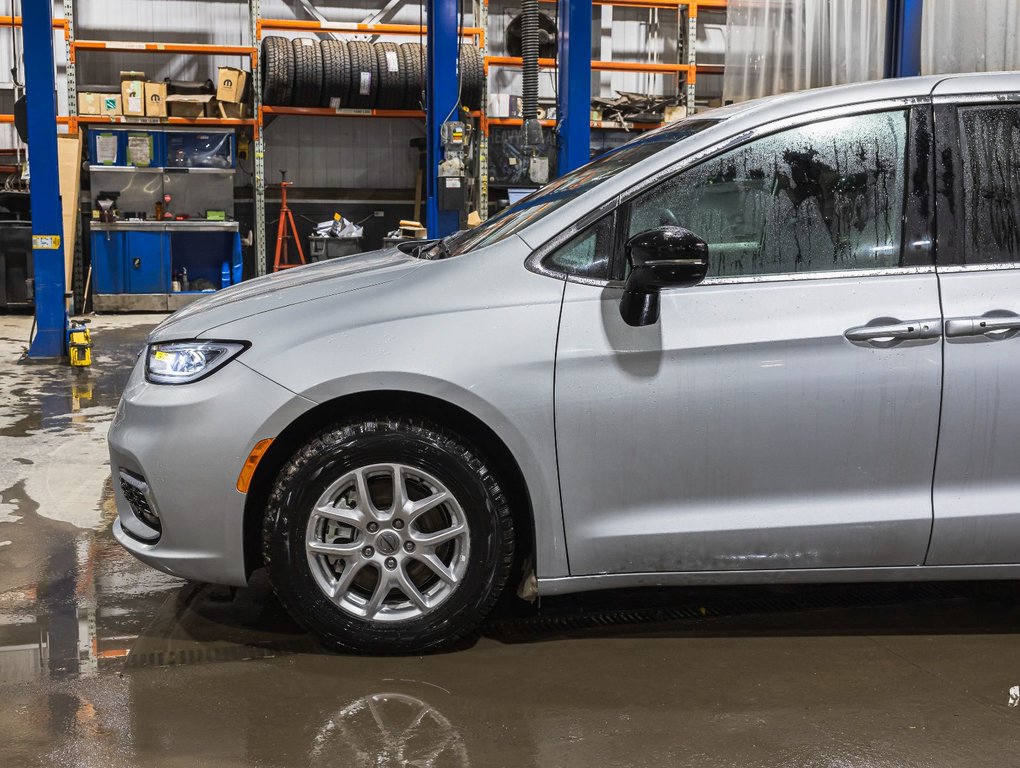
(531, 127)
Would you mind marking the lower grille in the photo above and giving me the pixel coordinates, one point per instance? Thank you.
(136, 492)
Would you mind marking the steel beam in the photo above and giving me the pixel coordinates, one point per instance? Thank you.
(574, 87)
(441, 99)
(47, 219)
(903, 38)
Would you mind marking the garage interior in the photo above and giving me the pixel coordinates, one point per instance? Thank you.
(156, 152)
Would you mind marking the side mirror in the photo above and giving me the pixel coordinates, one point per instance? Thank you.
(664, 257)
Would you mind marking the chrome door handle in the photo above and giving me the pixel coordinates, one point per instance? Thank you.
(895, 332)
(991, 326)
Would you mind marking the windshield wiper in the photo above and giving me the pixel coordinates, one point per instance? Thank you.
(416, 247)
(439, 251)
(429, 250)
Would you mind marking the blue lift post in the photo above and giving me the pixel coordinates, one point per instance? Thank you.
(903, 38)
(440, 105)
(574, 86)
(47, 219)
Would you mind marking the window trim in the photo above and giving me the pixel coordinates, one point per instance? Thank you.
(998, 266)
(534, 262)
(785, 277)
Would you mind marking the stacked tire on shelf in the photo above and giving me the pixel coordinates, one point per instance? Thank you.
(305, 72)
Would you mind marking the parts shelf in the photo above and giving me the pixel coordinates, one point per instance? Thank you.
(602, 125)
(295, 25)
(341, 112)
(155, 121)
(611, 66)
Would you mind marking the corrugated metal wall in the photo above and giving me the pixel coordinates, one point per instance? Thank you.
(349, 153)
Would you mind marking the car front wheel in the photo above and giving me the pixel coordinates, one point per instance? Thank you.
(388, 535)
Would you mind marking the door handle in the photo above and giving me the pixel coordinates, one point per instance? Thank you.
(991, 326)
(887, 334)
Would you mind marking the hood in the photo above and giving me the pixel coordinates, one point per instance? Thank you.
(284, 289)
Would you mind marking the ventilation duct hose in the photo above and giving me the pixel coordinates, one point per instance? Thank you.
(529, 53)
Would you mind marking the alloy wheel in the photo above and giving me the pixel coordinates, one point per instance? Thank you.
(387, 542)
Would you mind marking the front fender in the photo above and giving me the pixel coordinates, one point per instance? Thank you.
(478, 332)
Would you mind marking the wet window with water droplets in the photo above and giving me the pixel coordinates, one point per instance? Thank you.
(825, 196)
(990, 139)
(586, 254)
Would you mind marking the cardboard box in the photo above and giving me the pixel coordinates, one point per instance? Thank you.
(228, 110)
(110, 104)
(155, 99)
(230, 85)
(412, 229)
(181, 105)
(90, 103)
(132, 93)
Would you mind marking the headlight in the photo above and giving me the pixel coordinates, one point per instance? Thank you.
(181, 362)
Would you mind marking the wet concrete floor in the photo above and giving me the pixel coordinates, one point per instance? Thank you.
(104, 662)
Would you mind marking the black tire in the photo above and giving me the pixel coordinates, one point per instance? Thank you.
(420, 444)
(277, 71)
(336, 73)
(307, 72)
(472, 76)
(391, 79)
(413, 60)
(364, 75)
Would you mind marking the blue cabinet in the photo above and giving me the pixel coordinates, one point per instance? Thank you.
(130, 261)
(140, 259)
(108, 261)
(146, 263)
(201, 149)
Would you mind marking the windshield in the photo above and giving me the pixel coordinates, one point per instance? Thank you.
(544, 201)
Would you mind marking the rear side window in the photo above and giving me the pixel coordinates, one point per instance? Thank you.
(990, 148)
(824, 196)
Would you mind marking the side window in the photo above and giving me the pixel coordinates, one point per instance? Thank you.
(825, 196)
(989, 137)
(586, 254)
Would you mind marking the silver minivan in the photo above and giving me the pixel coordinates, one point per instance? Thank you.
(772, 342)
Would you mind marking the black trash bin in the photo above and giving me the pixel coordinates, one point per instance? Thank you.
(16, 275)
(322, 248)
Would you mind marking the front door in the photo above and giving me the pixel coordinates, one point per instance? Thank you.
(784, 413)
(977, 475)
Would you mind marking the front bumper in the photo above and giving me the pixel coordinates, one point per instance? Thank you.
(188, 442)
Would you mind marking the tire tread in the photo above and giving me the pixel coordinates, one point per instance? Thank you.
(348, 431)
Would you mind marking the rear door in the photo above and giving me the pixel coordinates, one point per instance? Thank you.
(977, 475)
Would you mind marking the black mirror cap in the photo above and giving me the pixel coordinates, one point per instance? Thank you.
(666, 257)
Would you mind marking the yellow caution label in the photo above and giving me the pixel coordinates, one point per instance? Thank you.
(46, 242)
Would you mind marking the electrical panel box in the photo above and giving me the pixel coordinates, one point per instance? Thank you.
(453, 134)
(452, 193)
